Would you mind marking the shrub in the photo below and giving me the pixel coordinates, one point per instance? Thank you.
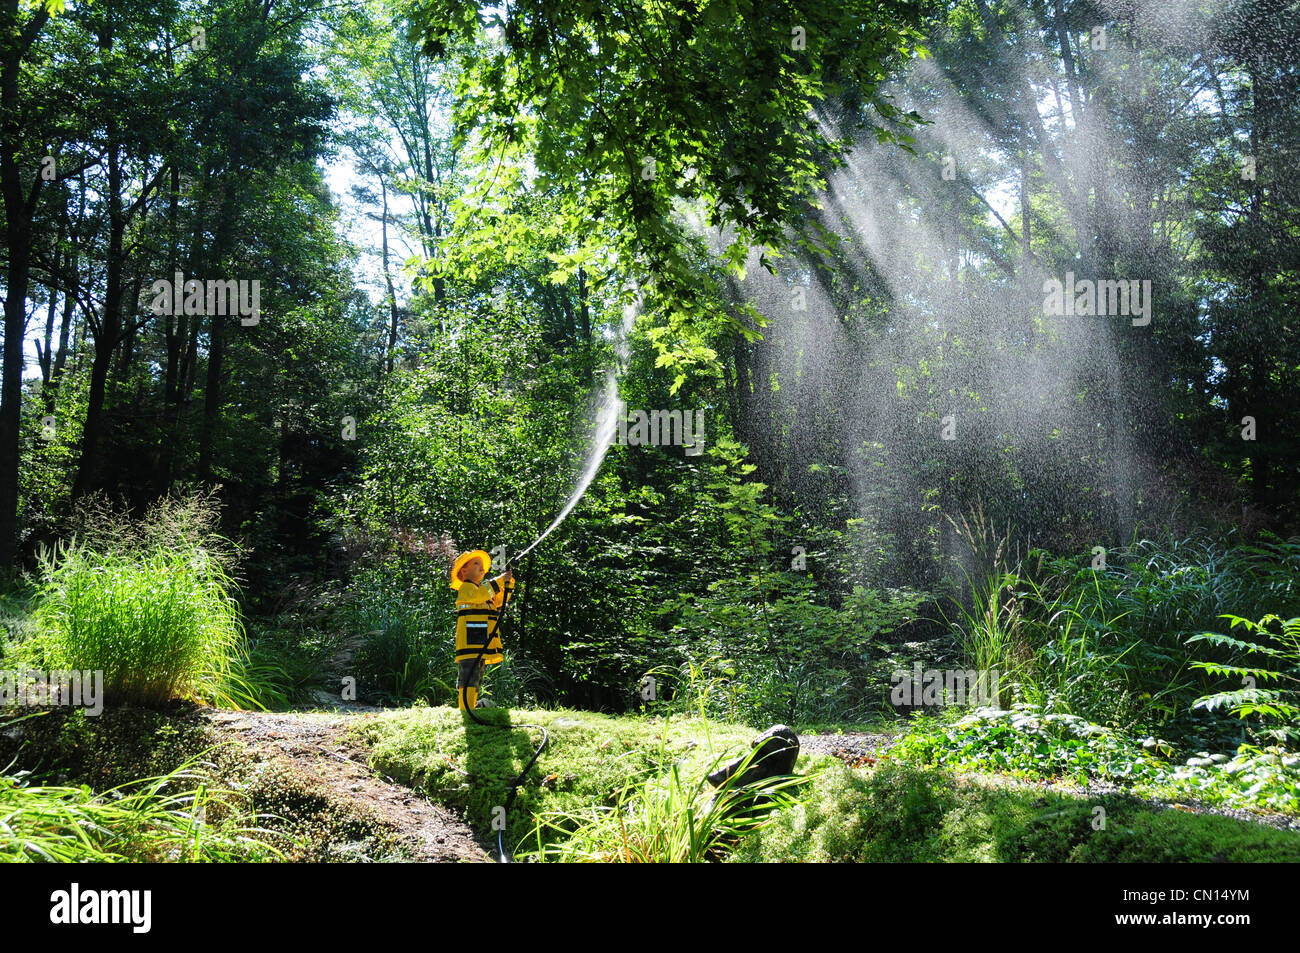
(792, 661)
(1028, 743)
(408, 630)
(1111, 643)
(1165, 593)
(892, 814)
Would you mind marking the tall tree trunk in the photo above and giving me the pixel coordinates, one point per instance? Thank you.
(221, 246)
(1067, 58)
(216, 345)
(187, 340)
(51, 392)
(172, 335)
(19, 208)
(211, 394)
(129, 329)
(1263, 99)
(1029, 294)
(110, 324)
(388, 278)
(45, 343)
(566, 308)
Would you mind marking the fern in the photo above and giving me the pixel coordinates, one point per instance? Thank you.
(1280, 705)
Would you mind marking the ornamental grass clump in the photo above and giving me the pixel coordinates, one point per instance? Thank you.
(152, 611)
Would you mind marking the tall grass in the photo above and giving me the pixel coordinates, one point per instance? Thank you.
(667, 819)
(15, 599)
(174, 817)
(409, 645)
(1165, 593)
(1079, 663)
(992, 633)
(1112, 642)
(149, 603)
(288, 659)
(160, 624)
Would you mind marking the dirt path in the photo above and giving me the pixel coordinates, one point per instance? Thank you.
(316, 746)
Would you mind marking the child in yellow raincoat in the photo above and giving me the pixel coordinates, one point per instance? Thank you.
(478, 609)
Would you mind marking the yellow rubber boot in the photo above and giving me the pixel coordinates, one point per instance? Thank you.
(468, 697)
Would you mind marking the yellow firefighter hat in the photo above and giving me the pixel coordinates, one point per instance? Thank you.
(464, 560)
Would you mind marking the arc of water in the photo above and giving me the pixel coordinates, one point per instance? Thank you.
(606, 428)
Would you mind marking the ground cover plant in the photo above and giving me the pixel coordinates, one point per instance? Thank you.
(668, 817)
(590, 756)
(904, 813)
(154, 820)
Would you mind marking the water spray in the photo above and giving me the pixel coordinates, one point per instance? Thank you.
(606, 427)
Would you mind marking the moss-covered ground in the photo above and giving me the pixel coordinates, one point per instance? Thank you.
(896, 812)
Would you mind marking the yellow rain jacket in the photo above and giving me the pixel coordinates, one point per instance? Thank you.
(477, 611)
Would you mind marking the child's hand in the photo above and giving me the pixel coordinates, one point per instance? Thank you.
(508, 576)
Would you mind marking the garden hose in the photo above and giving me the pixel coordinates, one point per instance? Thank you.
(523, 774)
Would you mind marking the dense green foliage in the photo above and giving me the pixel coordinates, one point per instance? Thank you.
(625, 112)
(668, 819)
(150, 821)
(154, 625)
(1119, 644)
(1271, 654)
(523, 249)
(1025, 742)
(1105, 675)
